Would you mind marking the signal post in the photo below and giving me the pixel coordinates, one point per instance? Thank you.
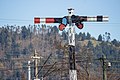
(71, 47)
(72, 20)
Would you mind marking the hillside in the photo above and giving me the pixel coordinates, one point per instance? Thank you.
(18, 43)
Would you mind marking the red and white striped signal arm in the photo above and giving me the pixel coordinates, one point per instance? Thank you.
(38, 20)
(94, 19)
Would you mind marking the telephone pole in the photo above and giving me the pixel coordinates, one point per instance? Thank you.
(104, 67)
(105, 64)
(36, 57)
(72, 20)
(29, 71)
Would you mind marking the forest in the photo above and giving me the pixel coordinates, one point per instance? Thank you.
(18, 43)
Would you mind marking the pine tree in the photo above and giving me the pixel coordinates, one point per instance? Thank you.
(100, 38)
(88, 36)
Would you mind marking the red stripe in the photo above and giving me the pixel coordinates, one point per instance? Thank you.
(50, 20)
(36, 20)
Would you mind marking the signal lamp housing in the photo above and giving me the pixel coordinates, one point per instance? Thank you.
(61, 27)
(79, 25)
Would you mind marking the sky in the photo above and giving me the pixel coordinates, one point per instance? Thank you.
(22, 12)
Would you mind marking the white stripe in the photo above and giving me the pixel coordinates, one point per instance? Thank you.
(42, 20)
(91, 18)
(73, 74)
(105, 18)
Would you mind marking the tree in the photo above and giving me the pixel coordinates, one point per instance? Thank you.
(85, 60)
(80, 36)
(25, 32)
(65, 37)
(76, 36)
(107, 36)
(88, 36)
(54, 29)
(89, 45)
(83, 36)
(4, 37)
(100, 37)
(25, 51)
(115, 42)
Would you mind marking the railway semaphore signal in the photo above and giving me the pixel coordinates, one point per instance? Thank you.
(71, 20)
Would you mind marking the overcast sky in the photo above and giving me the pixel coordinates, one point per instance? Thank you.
(22, 12)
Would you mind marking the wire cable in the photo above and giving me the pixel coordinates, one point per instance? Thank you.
(43, 64)
(49, 69)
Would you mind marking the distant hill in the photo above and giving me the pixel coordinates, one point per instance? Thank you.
(18, 43)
